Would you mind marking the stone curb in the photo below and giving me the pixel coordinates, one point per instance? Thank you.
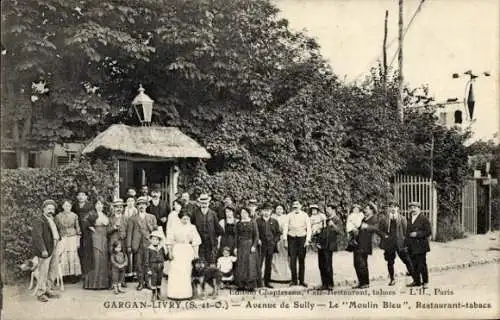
(349, 283)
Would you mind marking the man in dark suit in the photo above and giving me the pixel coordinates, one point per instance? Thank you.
(158, 208)
(208, 227)
(139, 228)
(327, 244)
(395, 226)
(417, 239)
(45, 237)
(369, 226)
(82, 208)
(188, 206)
(269, 235)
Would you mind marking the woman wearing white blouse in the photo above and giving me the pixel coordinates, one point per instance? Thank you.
(182, 242)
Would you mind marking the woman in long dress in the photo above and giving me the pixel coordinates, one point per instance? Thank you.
(182, 242)
(69, 228)
(247, 237)
(97, 222)
(280, 271)
(228, 224)
(173, 221)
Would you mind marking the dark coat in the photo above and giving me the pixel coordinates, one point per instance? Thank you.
(214, 228)
(82, 212)
(41, 236)
(87, 245)
(275, 230)
(419, 244)
(159, 211)
(138, 231)
(365, 237)
(401, 227)
(327, 238)
(119, 234)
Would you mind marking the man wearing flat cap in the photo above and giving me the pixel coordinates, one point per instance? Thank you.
(45, 238)
(139, 228)
(157, 207)
(207, 225)
(395, 226)
(417, 239)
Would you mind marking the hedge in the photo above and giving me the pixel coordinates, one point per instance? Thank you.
(24, 190)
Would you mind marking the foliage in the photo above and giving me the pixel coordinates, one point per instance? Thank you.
(448, 229)
(23, 191)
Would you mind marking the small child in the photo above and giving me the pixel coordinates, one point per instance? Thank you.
(155, 256)
(317, 223)
(119, 263)
(225, 266)
(354, 220)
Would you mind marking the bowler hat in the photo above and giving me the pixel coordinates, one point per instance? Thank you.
(156, 188)
(49, 202)
(230, 207)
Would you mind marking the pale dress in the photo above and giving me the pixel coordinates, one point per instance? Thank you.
(183, 237)
(172, 222)
(69, 229)
(280, 271)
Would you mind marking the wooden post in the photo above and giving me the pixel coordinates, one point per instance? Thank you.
(116, 177)
(434, 211)
(384, 53)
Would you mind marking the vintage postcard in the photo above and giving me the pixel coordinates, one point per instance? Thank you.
(250, 159)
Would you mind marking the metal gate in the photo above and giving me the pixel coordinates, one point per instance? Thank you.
(469, 207)
(415, 188)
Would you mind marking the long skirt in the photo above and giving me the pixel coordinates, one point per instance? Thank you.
(248, 265)
(280, 271)
(97, 277)
(70, 261)
(179, 280)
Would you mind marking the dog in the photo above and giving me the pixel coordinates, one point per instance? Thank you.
(33, 265)
(201, 274)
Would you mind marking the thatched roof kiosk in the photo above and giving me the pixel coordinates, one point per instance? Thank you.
(146, 155)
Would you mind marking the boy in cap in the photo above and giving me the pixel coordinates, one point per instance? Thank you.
(156, 254)
(418, 233)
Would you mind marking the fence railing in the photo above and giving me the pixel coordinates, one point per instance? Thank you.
(415, 188)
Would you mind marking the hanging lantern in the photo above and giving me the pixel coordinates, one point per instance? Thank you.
(470, 101)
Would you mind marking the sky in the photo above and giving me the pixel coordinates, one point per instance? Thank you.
(445, 37)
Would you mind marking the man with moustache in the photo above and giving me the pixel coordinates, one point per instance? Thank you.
(158, 208)
(298, 230)
(45, 238)
(417, 239)
(82, 208)
(117, 228)
(139, 228)
(207, 225)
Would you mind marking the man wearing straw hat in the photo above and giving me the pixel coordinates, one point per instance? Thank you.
(209, 229)
(139, 228)
(45, 237)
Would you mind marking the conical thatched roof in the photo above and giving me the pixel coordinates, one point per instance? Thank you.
(158, 142)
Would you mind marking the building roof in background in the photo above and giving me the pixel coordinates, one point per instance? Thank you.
(158, 142)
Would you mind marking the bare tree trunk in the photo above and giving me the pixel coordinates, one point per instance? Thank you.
(384, 52)
(400, 60)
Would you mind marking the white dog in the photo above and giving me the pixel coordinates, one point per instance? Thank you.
(33, 266)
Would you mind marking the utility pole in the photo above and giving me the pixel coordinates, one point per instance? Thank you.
(400, 61)
(384, 53)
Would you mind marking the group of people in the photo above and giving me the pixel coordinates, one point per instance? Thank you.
(252, 246)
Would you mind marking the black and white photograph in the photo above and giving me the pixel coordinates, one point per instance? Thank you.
(250, 159)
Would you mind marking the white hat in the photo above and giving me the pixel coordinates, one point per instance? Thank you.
(157, 233)
(204, 198)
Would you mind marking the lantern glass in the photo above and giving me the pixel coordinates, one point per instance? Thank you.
(147, 111)
(146, 104)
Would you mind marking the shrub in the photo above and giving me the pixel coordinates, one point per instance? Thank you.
(448, 229)
(24, 190)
